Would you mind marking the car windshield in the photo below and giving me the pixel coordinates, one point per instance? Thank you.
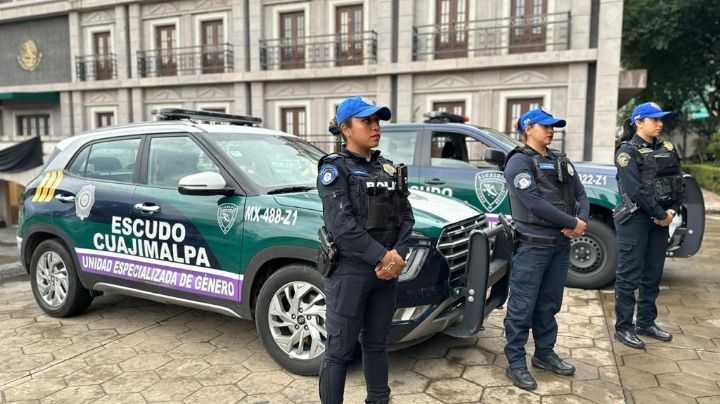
(273, 162)
(501, 137)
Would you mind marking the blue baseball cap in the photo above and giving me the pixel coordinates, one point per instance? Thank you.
(648, 110)
(356, 107)
(539, 115)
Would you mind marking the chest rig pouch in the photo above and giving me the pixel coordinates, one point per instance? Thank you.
(660, 173)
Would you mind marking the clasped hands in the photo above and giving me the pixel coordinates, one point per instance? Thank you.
(390, 266)
(578, 231)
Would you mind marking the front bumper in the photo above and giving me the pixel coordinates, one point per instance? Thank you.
(470, 299)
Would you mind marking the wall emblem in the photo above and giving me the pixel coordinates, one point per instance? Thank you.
(491, 189)
(30, 56)
(226, 215)
(84, 201)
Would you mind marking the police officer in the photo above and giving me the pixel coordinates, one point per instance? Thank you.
(650, 182)
(549, 207)
(370, 220)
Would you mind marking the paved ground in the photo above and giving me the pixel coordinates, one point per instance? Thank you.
(130, 350)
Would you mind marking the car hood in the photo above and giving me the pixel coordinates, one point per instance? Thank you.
(432, 212)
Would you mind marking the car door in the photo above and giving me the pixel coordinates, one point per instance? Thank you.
(96, 188)
(456, 167)
(191, 241)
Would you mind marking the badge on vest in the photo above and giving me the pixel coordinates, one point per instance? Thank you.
(389, 169)
(668, 145)
(623, 159)
(328, 174)
(522, 181)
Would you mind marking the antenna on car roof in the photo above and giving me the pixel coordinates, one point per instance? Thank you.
(176, 114)
(444, 117)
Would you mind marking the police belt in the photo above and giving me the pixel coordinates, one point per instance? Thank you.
(547, 241)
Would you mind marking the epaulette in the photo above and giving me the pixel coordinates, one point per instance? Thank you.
(513, 152)
(328, 158)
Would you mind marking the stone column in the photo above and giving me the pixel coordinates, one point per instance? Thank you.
(404, 111)
(120, 46)
(406, 21)
(608, 80)
(576, 114)
(124, 102)
(237, 37)
(78, 111)
(255, 19)
(66, 118)
(257, 90)
(383, 94)
(75, 42)
(135, 44)
(579, 22)
(138, 105)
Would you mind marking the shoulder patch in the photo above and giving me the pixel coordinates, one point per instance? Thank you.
(328, 174)
(522, 181)
(623, 159)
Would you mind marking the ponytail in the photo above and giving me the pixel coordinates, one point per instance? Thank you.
(627, 134)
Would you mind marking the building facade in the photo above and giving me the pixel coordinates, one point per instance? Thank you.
(72, 66)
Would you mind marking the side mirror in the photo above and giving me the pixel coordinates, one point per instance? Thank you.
(204, 183)
(496, 157)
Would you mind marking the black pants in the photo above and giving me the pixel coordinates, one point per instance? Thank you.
(357, 305)
(537, 281)
(641, 251)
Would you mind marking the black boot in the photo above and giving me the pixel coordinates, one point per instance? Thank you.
(521, 378)
(377, 401)
(654, 332)
(629, 338)
(553, 363)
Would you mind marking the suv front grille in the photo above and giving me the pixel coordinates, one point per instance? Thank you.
(454, 243)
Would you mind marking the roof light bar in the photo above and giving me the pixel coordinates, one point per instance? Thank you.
(176, 114)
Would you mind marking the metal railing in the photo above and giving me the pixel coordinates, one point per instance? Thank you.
(96, 67)
(547, 32)
(186, 60)
(319, 51)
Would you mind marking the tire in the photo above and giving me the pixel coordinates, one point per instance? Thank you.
(305, 322)
(593, 257)
(54, 281)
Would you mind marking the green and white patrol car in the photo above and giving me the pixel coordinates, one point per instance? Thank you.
(224, 217)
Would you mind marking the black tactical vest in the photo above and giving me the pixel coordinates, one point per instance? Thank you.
(660, 173)
(557, 186)
(378, 205)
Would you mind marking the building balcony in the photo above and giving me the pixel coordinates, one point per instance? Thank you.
(319, 51)
(500, 36)
(96, 67)
(187, 60)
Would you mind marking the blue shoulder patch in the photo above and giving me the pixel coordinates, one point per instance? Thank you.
(328, 174)
(360, 173)
(546, 166)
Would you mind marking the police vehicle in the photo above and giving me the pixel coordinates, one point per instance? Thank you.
(448, 157)
(224, 217)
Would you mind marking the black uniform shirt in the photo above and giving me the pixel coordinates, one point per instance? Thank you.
(628, 162)
(521, 164)
(338, 199)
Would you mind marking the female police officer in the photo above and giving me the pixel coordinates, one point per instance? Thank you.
(649, 177)
(371, 221)
(549, 206)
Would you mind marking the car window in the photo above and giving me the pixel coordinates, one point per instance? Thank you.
(111, 161)
(456, 150)
(172, 158)
(398, 146)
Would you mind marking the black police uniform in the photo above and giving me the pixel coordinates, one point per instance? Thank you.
(366, 216)
(649, 174)
(542, 205)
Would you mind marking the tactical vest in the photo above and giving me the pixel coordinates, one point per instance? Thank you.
(557, 186)
(377, 203)
(660, 173)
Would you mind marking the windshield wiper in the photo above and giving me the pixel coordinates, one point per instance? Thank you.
(285, 190)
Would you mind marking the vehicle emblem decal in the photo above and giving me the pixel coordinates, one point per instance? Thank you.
(84, 201)
(30, 56)
(491, 189)
(226, 215)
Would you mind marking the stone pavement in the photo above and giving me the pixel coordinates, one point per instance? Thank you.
(687, 369)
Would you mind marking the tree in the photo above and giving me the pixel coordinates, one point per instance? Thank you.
(678, 42)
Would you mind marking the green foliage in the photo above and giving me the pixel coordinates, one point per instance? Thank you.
(707, 175)
(714, 147)
(677, 42)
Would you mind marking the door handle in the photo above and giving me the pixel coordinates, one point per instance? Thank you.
(147, 208)
(435, 181)
(65, 198)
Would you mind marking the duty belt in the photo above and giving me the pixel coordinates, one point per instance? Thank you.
(547, 241)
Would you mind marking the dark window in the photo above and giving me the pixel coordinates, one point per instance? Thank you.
(292, 35)
(172, 158)
(33, 125)
(453, 107)
(212, 39)
(455, 150)
(349, 23)
(528, 28)
(77, 167)
(104, 119)
(399, 146)
(293, 121)
(165, 44)
(103, 62)
(517, 107)
(113, 161)
(451, 19)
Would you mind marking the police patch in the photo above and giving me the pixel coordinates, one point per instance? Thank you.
(389, 169)
(328, 174)
(84, 201)
(226, 215)
(623, 159)
(668, 145)
(571, 169)
(522, 181)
